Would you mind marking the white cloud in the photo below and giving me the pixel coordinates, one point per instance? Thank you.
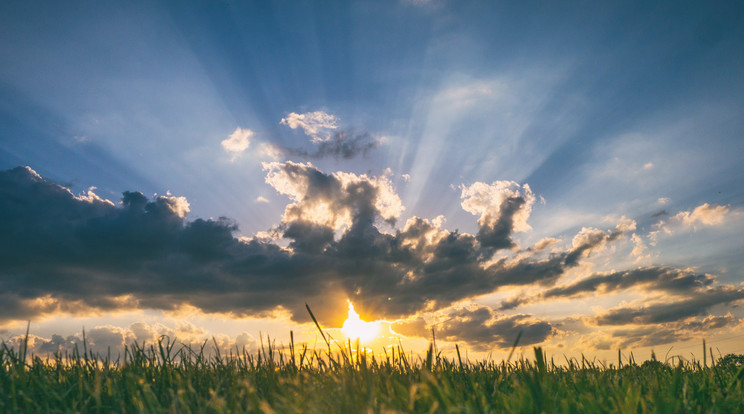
(545, 243)
(663, 200)
(92, 197)
(331, 199)
(705, 214)
(261, 199)
(486, 200)
(238, 141)
(625, 225)
(316, 124)
(178, 205)
(589, 236)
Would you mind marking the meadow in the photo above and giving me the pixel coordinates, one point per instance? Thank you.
(167, 378)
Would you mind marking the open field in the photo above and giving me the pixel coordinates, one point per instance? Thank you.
(165, 378)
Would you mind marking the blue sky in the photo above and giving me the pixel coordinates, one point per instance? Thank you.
(618, 116)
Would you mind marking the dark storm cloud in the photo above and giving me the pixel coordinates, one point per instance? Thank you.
(308, 237)
(684, 308)
(63, 252)
(341, 145)
(74, 250)
(484, 330)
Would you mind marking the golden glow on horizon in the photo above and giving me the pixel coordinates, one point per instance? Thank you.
(355, 328)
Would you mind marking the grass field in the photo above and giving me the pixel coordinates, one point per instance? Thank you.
(164, 377)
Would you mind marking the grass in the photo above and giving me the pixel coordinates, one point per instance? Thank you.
(164, 377)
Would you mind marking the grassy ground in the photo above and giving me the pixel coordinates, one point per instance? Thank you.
(165, 378)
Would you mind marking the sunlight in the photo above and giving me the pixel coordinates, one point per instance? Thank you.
(355, 328)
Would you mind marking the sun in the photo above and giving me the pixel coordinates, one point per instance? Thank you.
(355, 328)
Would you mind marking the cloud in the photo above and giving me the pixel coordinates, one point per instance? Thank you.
(503, 207)
(662, 334)
(544, 244)
(317, 125)
(340, 145)
(334, 200)
(415, 327)
(590, 239)
(658, 278)
(639, 248)
(483, 329)
(678, 310)
(74, 254)
(706, 214)
(329, 141)
(660, 214)
(238, 141)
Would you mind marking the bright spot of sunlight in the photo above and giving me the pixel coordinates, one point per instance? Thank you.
(355, 328)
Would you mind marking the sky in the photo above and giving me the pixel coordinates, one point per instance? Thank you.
(569, 173)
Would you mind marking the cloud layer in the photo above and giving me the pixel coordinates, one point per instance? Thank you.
(74, 253)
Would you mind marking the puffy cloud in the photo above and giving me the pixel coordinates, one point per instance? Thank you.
(706, 214)
(316, 124)
(491, 201)
(592, 239)
(702, 215)
(503, 207)
(178, 205)
(238, 141)
(639, 247)
(544, 244)
(333, 200)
